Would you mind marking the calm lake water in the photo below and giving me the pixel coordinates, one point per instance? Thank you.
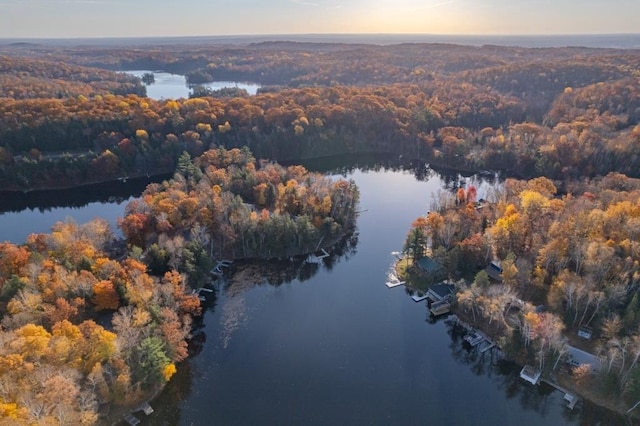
(332, 345)
(174, 86)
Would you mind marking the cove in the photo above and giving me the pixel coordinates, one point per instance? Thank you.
(329, 343)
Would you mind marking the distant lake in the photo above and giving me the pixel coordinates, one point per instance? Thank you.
(174, 86)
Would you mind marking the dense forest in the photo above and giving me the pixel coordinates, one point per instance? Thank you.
(225, 205)
(568, 261)
(76, 323)
(528, 111)
(107, 324)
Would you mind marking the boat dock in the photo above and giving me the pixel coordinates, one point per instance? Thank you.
(393, 281)
(477, 338)
(217, 270)
(571, 399)
(312, 258)
(418, 298)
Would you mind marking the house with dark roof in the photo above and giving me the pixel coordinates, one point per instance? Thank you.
(494, 270)
(441, 292)
(432, 268)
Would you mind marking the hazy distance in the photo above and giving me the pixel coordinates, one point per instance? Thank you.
(149, 18)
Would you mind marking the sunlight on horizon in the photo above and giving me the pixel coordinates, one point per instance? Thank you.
(118, 18)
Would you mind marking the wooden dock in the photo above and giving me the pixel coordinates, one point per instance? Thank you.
(312, 258)
(392, 284)
(418, 298)
(490, 345)
(217, 270)
(571, 399)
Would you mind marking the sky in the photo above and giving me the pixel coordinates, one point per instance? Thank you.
(122, 18)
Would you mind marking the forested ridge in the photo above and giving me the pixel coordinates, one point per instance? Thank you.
(524, 110)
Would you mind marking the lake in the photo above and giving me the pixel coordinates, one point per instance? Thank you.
(174, 86)
(331, 344)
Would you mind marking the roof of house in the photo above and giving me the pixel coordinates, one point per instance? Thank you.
(494, 270)
(429, 265)
(581, 357)
(442, 289)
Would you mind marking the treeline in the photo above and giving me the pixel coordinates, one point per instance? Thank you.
(30, 78)
(225, 205)
(573, 259)
(587, 132)
(82, 332)
(112, 136)
(301, 64)
(560, 113)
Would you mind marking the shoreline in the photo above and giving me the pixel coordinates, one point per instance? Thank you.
(438, 166)
(587, 391)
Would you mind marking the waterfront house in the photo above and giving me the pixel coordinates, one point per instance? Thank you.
(432, 268)
(577, 357)
(440, 292)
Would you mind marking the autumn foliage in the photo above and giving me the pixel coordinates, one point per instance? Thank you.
(77, 327)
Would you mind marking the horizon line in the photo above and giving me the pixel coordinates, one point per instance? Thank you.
(262, 35)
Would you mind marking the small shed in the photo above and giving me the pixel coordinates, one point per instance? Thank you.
(585, 332)
(530, 374)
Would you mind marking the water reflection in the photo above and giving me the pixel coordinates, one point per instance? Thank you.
(543, 399)
(369, 162)
(234, 313)
(105, 193)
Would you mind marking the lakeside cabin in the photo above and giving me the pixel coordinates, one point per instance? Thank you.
(577, 357)
(432, 268)
(442, 291)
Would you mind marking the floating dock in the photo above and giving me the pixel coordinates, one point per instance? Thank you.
(418, 298)
(571, 399)
(312, 258)
(392, 283)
